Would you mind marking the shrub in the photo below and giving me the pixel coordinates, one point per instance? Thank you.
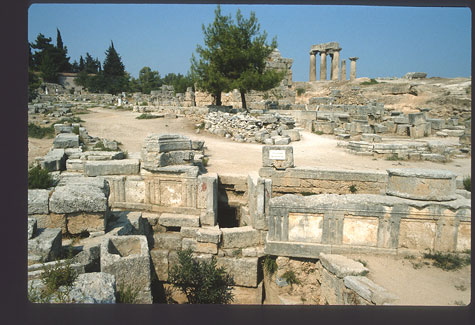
(269, 264)
(393, 157)
(126, 295)
(39, 178)
(448, 261)
(300, 91)
(205, 161)
(318, 132)
(371, 82)
(35, 131)
(200, 126)
(145, 116)
(53, 277)
(290, 278)
(201, 281)
(353, 189)
(70, 120)
(467, 183)
(76, 130)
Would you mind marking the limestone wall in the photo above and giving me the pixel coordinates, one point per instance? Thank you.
(309, 181)
(330, 223)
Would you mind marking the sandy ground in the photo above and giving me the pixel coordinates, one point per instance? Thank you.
(229, 157)
(425, 286)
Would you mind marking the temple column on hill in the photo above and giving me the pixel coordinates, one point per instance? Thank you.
(353, 68)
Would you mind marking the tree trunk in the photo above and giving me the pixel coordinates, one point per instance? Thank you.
(243, 100)
(217, 97)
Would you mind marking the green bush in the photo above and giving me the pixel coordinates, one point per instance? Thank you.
(76, 130)
(70, 120)
(290, 278)
(35, 131)
(269, 264)
(39, 178)
(371, 82)
(145, 116)
(201, 281)
(126, 295)
(467, 183)
(53, 277)
(300, 91)
(448, 261)
(205, 161)
(353, 189)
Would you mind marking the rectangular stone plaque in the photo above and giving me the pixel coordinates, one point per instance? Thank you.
(277, 154)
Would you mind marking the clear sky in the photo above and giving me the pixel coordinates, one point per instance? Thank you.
(389, 41)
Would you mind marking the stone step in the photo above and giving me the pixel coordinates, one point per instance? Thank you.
(179, 220)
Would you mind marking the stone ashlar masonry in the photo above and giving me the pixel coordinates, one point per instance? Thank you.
(414, 210)
(177, 208)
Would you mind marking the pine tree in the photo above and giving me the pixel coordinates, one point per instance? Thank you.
(59, 40)
(234, 57)
(113, 73)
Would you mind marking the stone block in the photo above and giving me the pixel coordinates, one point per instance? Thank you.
(189, 232)
(342, 266)
(416, 118)
(369, 290)
(94, 288)
(128, 259)
(436, 124)
(167, 241)
(179, 220)
(282, 141)
(46, 244)
(51, 220)
(38, 201)
(305, 227)
(160, 263)
(422, 184)
(453, 133)
(417, 131)
(417, 234)
(66, 140)
(209, 235)
(199, 247)
(360, 231)
(294, 135)
(239, 237)
(102, 155)
(248, 296)
(402, 119)
(32, 227)
(81, 222)
(370, 137)
(75, 165)
(244, 270)
(75, 198)
(279, 157)
(402, 129)
(54, 160)
(166, 142)
(112, 167)
(433, 157)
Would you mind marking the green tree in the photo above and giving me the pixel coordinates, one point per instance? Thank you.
(235, 57)
(148, 80)
(201, 281)
(179, 82)
(113, 74)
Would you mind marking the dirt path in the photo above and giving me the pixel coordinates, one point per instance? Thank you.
(227, 156)
(424, 286)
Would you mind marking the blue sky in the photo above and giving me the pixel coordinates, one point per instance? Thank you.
(389, 41)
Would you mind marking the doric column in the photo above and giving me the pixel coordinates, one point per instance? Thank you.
(353, 68)
(343, 70)
(323, 66)
(313, 67)
(331, 65)
(336, 65)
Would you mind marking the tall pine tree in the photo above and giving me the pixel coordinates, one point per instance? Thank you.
(113, 72)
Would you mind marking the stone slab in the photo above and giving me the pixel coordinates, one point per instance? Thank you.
(279, 157)
(112, 167)
(179, 220)
(239, 237)
(342, 266)
(38, 201)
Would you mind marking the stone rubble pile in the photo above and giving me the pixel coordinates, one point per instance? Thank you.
(268, 128)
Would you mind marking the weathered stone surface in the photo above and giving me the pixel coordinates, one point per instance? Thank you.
(94, 288)
(279, 157)
(112, 167)
(416, 118)
(369, 290)
(208, 235)
(248, 296)
(78, 198)
(66, 140)
(436, 124)
(243, 270)
(54, 160)
(160, 263)
(189, 232)
(422, 184)
(38, 201)
(179, 220)
(32, 227)
(342, 266)
(167, 241)
(199, 247)
(128, 259)
(81, 222)
(239, 237)
(46, 244)
(101, 155)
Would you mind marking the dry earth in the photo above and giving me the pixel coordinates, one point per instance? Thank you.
(425, 286)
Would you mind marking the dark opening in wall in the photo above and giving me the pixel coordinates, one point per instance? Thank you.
(228, 216)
